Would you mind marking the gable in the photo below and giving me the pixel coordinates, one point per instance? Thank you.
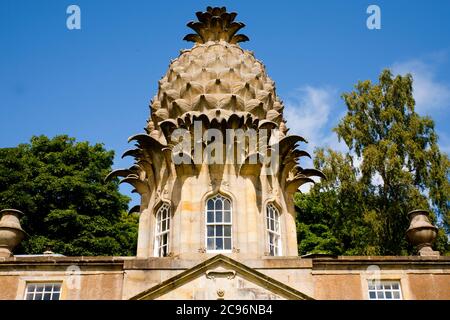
(221, 277)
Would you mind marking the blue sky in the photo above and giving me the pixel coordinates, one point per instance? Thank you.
(95, 84)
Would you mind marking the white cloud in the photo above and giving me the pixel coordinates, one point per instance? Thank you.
(310, 114)
(430, 94)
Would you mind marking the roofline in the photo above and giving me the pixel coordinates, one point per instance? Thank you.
(183, 277)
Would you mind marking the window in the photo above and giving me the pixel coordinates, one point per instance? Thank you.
(218, 224)
(162, 231)
(43, 291)
(273, 230)
(384, 290)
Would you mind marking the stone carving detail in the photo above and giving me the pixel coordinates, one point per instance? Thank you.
(220, 273)
(11, 232)
(422, 233)
(214, 25)
(220, 293)
(202, 250)
(224, 87)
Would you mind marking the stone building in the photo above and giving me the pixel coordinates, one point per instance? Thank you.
(216, 171)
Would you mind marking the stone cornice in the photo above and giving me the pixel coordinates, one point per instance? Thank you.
(264, 263)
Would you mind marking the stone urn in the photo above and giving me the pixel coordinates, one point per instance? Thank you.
(421, 233)
(11, 233)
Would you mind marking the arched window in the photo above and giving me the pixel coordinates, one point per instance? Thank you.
(273, 230)
(218, 224)
(162, 231)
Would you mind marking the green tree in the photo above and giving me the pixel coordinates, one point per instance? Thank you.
(59, 185)
(401, 168)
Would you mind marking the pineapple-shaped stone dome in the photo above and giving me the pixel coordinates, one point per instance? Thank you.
(216, 75)
(226, 90)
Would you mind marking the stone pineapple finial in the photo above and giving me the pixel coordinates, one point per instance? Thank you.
(216, 24)
(11, 233)
(421, 233)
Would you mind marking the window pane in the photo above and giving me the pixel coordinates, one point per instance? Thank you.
(210, 205)
(219, 216)
(270, 238)
(218, 213)
(164, 250)
(210, 244)
(227, 205)
(384, 290)
(162, 231)
(227, 244)
(219, 244)
(210, 215)
(45, 291)
(227, 216)
(227, 231)
(219, 204)
(275, 250)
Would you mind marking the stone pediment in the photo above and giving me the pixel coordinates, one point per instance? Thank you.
(221, 277)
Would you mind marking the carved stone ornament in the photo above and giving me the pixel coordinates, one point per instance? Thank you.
(201, 250)
(421, 233)
(220, 293)
(11, 233)
(220, 273)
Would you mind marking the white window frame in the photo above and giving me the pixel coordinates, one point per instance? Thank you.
(161, 231)
(275, 232)
(44, 286)
(381, 287)
(222, 223)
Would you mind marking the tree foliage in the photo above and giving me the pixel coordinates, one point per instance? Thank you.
(59, 185)
(364, 205)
